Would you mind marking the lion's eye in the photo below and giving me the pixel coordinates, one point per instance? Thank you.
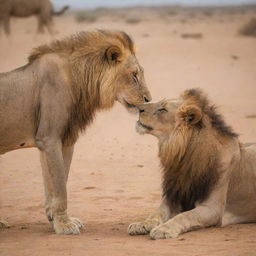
(135, 77)
(161, 110)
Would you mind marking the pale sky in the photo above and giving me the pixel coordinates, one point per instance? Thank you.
(121, 3)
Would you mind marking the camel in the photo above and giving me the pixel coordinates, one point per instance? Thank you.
(43, 9)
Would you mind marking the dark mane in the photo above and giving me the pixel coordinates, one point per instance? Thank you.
(198, 190)
(191, 157)
(217, 121)
(191, 178)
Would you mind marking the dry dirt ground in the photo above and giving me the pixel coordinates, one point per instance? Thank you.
(115, 175)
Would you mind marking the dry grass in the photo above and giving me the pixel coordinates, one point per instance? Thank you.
(251, 116)
(249, 29)
(135, 15)
(172, 12)
(192, 35)
(133, 20)
(83, 16)
(95, 14)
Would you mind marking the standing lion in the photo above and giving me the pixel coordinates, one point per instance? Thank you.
(209, 178)
(43, 9)
(46, 103)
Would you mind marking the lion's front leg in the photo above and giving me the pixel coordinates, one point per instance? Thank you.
(55, 176)
(205, 214)
(67, 152)
(201, 216)
(161, 215)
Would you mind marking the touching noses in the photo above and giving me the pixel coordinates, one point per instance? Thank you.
(147, 98)
(141, 109)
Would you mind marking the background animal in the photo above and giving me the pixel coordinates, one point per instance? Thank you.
(208, 176)
(46, 103)
(43, 9)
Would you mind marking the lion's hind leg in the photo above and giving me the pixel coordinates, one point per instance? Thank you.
(4, 224)
(232, 218)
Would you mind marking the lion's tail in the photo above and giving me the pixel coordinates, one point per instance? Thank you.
(66, 7)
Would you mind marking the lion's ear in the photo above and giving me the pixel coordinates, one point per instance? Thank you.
(113, 54)
(189, 114)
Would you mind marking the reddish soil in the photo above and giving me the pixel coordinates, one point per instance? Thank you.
(115, 176)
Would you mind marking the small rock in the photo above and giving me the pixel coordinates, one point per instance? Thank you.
(250, 116)
(89, 188)
(234, 57)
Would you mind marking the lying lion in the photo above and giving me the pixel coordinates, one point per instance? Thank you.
(46, 103)
(208, 176)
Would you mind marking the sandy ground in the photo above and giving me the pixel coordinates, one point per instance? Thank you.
(115, 175)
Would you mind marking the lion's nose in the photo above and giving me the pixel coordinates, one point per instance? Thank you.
(146, 99)
(141, 109)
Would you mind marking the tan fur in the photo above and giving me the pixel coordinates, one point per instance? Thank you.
(48, 102)
(43, 9)
(208, 176)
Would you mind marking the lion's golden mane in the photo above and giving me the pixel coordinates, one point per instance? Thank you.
(88, 73)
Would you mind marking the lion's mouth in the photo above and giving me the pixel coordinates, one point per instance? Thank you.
(129, 105)
(144, 126)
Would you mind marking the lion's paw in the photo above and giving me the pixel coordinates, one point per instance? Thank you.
(67, 226)
(138, 228)
(163, 232)
(4, 224)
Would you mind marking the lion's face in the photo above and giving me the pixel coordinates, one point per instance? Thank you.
(131, 86)
(158, 118)
(127, 78)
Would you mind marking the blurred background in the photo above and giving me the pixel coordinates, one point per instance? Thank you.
(115, 175)
(125, 3)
